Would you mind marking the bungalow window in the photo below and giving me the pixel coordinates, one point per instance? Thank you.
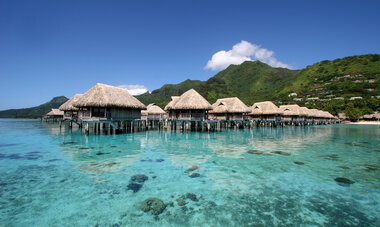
(98, 112)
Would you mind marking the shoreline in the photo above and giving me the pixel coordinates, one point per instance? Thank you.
(364, 123)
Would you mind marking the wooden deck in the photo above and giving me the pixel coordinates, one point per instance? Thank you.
(116, 126)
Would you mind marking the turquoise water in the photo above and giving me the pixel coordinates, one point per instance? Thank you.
(53, 177)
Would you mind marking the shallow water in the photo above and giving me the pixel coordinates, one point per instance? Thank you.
(53, 177)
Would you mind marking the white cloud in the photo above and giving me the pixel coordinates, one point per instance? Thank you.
(135, 89)
(240, 52)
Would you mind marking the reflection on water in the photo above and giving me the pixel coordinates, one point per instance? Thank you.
(52, 176)
(185, 149)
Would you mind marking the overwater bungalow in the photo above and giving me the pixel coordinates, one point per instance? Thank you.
(265, 111)
(332, 117)
(315, 115)
(322, 115)
(293, 113)
(70, 111)
(54, 114)
(105, 102)
(189, 106)
(327, 116)
(307, 113)
(228, 109)
(153, 112)
(168, 108)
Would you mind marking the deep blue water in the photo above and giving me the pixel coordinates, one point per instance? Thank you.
(53, 177)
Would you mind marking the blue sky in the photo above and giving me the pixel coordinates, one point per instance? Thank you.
(52, 48)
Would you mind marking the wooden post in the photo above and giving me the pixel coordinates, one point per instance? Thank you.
(86, 129)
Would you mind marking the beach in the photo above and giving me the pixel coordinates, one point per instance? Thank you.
(364, 123)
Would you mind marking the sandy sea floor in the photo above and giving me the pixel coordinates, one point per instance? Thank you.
(292, 176)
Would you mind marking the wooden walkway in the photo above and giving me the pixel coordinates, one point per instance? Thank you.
(117, 126)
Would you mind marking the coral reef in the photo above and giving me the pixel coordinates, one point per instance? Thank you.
(154, 204)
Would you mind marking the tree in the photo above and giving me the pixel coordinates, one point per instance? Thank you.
(353, 113)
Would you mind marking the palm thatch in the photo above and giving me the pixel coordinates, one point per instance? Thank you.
(325, 114)
(170, 105)
(329, 115)
(68, 105)
(190, 100)
(332, 116)
(306, 111)
(293, 110)
(315, 113)
(102, 95)
(153, 109)
(375, 115)
(312, 113)
(265, 108)
(55, 112)
(229, 105)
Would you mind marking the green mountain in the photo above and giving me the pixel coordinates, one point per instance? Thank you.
(326, 85)
(250, 81)
(336, 83)
(34, 112)
(162, 96)
(322, 85)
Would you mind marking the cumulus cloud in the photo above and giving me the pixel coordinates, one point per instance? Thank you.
(240, 52)
(135, 89)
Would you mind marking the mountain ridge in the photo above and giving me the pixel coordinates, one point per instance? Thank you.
(328, 85)
(254, 81)
(34, 112)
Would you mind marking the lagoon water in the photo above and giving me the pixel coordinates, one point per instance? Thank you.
(53, 177)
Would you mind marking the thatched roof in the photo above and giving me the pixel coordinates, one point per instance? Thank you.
(229, 105)
(324, 114)
(313, 112)
(102, 95)
(333, 117)
(68, 105)
(170, 105)
(293, 110)
(265, 108)
(316, 113)
(375, 115)
(303, 111)
(330, 115)
(306, 111)
(55, 112)
(190, 100)
(152, 109)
